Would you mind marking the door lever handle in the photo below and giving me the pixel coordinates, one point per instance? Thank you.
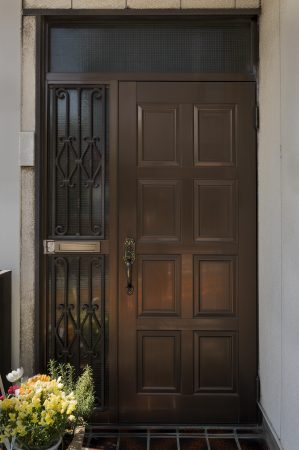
(129, 259)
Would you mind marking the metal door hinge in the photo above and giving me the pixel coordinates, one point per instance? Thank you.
(52, 247)
(257, 117)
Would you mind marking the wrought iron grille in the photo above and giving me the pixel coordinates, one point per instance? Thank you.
(76, 290)
(76, 176)
(77, 162)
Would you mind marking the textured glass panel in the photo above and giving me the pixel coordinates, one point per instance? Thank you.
(77, 162)
(76, 292)
(130, 47)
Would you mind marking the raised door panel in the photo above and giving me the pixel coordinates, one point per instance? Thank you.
(158, 285)
(158, 361)
(215, 213)
(159, 210)
(157, 135)
(214, 285)
(214, 362)
(214, 135)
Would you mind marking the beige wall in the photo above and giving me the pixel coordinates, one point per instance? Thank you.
(289, 25)
(279, 218)
(27, 199)
(269, 216)
(10, 68)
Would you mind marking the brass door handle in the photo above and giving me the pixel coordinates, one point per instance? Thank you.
(129, 259)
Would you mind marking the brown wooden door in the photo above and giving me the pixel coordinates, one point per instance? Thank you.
(187, 195)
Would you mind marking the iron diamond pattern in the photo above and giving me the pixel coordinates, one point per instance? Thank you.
(77, 162)
(76, 212)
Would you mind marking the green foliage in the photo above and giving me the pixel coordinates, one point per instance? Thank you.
(65, 371)
(53, 369)
(83, 387)
(85, 394)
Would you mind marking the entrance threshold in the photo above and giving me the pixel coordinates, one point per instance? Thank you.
(173, 437)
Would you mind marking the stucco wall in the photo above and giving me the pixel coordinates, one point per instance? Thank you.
(10, 64)
(27, 199)
(279, 219)
(269, 215)
(290, 222)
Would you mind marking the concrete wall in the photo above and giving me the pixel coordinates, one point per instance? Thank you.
(10, 69)
(269, 216)
(290, 222)
(28, 196)
(279, 219)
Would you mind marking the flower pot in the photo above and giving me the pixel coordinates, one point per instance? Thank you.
(53, 447)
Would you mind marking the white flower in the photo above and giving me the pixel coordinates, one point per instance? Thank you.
(15, 375)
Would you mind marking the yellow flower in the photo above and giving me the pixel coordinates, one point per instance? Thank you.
(42, 401)
(36, 401)
(38, 377)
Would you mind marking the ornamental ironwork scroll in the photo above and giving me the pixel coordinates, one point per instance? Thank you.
(76, 290)
(76, 175)
(76, 161)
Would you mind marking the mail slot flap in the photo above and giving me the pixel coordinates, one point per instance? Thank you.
(52, 247)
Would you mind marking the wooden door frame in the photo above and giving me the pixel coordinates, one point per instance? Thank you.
(43, 80)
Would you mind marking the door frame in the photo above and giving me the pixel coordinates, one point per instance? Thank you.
(44, 19)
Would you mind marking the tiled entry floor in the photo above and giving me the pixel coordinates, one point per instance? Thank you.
(167, 438)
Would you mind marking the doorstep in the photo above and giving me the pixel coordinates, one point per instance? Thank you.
(77, 441)
(173, 438)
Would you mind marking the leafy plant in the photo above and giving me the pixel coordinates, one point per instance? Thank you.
(65, 371)
(83, 387)
(85, 394)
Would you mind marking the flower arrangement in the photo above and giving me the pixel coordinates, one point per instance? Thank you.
(35, 413)
(83, 387)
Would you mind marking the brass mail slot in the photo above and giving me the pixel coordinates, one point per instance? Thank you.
(51, 247)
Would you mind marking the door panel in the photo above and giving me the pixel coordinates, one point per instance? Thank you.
(187, 174)
(214, 285)
(158, 285)
(165, 346)
(214, 142)
(157, 144)
(159, 217)
(214, 362)
(214, 210)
